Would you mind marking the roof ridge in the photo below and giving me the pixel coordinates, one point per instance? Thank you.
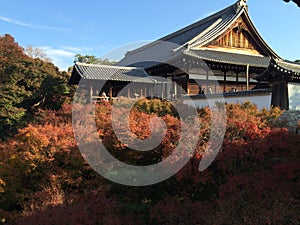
(108, 66)
(291, 63)
(199, 22)
(187, 28)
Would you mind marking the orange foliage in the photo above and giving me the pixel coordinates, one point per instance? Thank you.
(254, 179)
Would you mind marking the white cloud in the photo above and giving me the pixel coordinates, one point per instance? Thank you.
(57, 52)
(119, 52)
(62, 58)
(23, 24)
(77, 49)
(62, 18)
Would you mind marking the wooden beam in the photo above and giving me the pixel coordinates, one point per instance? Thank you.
(247, 77)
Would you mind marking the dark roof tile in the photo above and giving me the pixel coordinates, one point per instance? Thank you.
(197, 35)
(230, 58)
(112, 73)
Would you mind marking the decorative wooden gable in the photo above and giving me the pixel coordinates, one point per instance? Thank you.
(237, 39)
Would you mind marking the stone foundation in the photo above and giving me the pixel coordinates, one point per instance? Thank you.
(289, 119)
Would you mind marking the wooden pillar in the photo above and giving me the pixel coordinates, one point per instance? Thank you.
(276, 95)
(225, 79)
(247, 77)
(175, 89)
(237, 81)
(237, 77)
(206, 83)
(91, 93)
(287, 96)
(128, 92)
(167, 86)
(284, 96)
(187, 85)
(110, 91)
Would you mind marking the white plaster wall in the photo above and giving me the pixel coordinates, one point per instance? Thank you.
(294, 96)
(261, 101)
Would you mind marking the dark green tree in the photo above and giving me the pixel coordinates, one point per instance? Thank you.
(26, 84)
(92, 60)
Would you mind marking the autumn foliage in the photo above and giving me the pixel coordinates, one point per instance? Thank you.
(254, 179)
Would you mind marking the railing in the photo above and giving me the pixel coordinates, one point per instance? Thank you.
(231, 94)
(100, 98)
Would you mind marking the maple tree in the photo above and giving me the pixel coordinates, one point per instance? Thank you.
(254, 178)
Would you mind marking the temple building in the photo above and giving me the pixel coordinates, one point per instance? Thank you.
(104, 82)
(220, 54)
(284, 78)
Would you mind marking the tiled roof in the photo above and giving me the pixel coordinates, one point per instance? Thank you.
(287, 66)
(281, 69)
(230, 58)
(204, 28)
(111, 73)
(195, 35)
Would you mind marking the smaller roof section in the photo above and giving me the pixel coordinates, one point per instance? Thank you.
(288, 66)
(109, 73)
(281, 69)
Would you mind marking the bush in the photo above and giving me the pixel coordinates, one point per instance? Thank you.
(254, 179)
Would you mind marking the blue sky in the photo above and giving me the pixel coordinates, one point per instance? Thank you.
(63, 28)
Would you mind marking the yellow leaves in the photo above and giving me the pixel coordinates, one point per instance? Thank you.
(2, 185)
